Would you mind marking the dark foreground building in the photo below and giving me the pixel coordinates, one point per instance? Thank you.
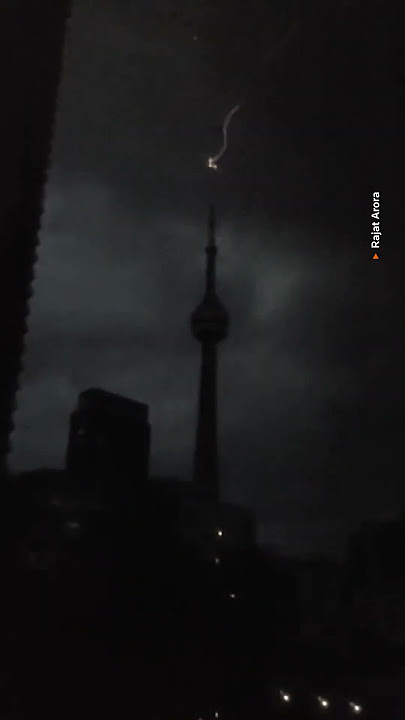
(31, 46)
(135, 606)
(109, 434)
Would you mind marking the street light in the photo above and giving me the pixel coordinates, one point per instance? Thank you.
(355, 707)
(323, 702)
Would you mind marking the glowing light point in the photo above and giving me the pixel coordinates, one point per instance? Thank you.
(285, 696)
(355, 707)
(232, 595)
(217, 561)
(212, 162)
(219, 533)
(323, 702)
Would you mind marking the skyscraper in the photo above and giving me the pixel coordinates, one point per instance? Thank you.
(109, 441)
(209, 325)
(31, 48)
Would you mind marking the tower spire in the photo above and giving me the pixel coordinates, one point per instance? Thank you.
(211, 251)
(209, 325)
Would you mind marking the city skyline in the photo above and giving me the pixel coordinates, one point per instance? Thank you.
(308, 380)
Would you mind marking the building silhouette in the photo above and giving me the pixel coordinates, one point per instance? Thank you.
(376, 580)
(209, 325)
(31, 46)
(109, 435)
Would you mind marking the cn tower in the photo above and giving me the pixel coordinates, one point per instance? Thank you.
(209, 325)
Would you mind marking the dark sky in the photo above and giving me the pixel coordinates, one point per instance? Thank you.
(311, 387)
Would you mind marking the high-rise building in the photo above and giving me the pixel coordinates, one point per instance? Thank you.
(209, 325)
(31, 48)
(109, 439)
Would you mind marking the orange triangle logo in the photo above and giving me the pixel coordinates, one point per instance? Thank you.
(375, 257)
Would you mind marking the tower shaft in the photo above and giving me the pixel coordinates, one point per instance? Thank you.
(209, 325)
(206, 470)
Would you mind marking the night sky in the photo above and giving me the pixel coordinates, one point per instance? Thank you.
(311, 389)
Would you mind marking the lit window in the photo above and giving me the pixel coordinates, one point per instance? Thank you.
(285, 696)
(355, 707)
(323, 702)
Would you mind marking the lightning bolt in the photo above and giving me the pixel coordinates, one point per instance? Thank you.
(276, 51)
(213, 161)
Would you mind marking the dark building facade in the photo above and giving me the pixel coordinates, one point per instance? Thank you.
(376, 580)
(109, 440)
(31, 47)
